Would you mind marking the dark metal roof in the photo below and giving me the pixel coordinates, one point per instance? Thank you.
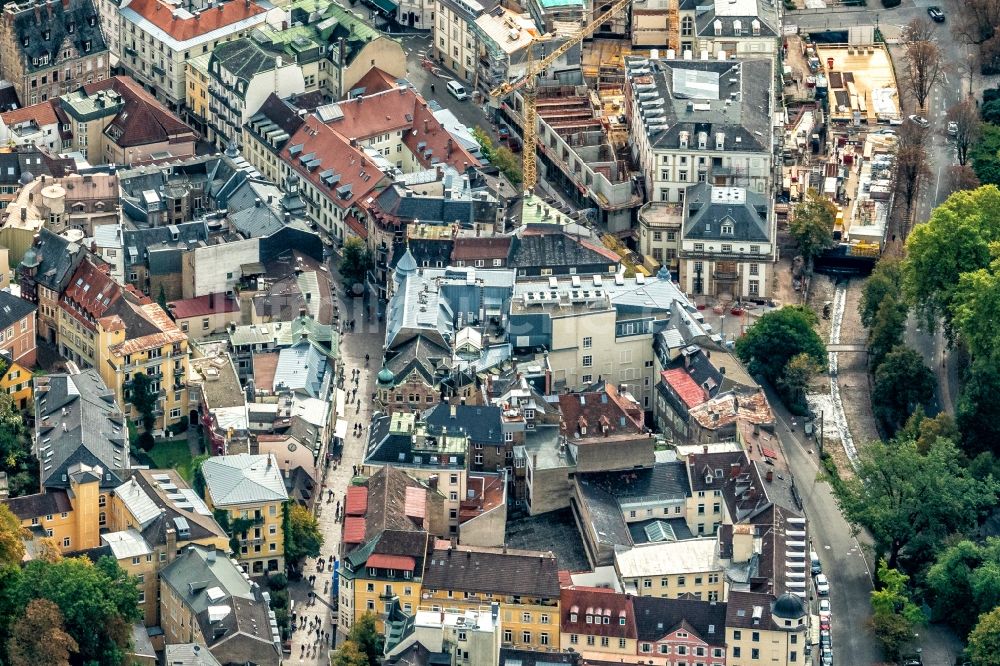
(528, 574)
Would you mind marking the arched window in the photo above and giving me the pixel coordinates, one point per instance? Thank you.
(687, 26)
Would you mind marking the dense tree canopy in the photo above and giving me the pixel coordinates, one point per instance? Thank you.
(894, 615)
(964, 582)
(984, 641)
(40, 637)
(909, 502)
(902, 384)
(11, 538)
(886, 281)
(302, 534)
(811, 225)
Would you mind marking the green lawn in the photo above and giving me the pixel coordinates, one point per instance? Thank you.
(173, 454)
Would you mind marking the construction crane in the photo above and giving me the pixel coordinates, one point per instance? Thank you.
(527, 82)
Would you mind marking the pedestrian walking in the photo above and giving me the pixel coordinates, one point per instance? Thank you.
(432, 87)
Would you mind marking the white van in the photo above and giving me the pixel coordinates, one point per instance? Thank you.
(457, 89)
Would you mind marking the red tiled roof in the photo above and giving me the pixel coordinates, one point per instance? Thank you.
(354, 529)
(160, 14)
(203, 305)
(596, 604)
(596, 409)
(93, 289)
(483, 247)
(383, 561)
(685, 387)
(357, 501)
(402, 109)
(375, 81)
(143, 120)
(357, 227)
(415, 505)
(334, 152)
(43, 114)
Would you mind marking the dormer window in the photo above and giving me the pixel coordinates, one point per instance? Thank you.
(25, 42)
(46, 34)
(708, 479)
(91, 20)
(86, 46)
(71, 28)
(727, 229)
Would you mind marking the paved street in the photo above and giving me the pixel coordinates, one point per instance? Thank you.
(366, 339)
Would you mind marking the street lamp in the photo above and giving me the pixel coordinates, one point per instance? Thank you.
(722, 327)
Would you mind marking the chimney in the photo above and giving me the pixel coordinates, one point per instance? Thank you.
(770, 475)
(734, 470)
(432, 481)
(454, 410)
(211, 301)
(171, 544)
(288, 466)
(704, 448)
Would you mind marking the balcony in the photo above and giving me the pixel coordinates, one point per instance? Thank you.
(159, 71)
(726, 275)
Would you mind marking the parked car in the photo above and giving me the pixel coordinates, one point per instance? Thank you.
(952, 129)
(936, 14)
(919, 120)
(817, 567)
(457, 90)
(822, 585)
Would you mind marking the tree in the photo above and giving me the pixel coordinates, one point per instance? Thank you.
(955, 240)
(909, 502)
(887, 332)
(964, 582)
(921, 60)
(911, 162)
(968, 128)
(143, 399)
(500, 157)
(365, 635)
(40, 637)
(984, 641)
(16, 457)
(925, 431)
(978, 410)
(349, 654)
(161, 299)
(197, 475)
(886, 280)
(302, 536)
(962, 178)
(98, 601)
(798, 373)
(902, 384)
(812, 225)
(894, 615)
(11, 538)
(975, 23)
(778, 336)
(985, 155)
(976, 301)
(356, 261)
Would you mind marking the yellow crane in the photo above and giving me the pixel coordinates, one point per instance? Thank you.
(529, 171)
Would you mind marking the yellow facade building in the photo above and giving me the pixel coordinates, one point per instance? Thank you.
(524, 583)
(672, 569)
(69, 518)
(251, 490)
(15, 381)
(762, 629)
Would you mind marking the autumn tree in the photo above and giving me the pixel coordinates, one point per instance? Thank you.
(40, 637)
(11, 537)
(922, 60)
(911, 162)
(975, 23)
(303, 537)
(968, 128)
(984, 641)
(811, 225)
(962, 178)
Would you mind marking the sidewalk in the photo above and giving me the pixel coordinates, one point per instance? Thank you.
(366, 339)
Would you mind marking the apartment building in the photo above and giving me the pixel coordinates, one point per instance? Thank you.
(250, 489)
(155, 41)
(206, 599)
(266, 134)
(68, 516)
(473, 637)
(761, 628)
(728, 245)
(50, 48)
(39, 125)
(241, 75)
(672, 569)
(15, 381)
(598, 623)
(455, 37)
(524, 583)
(742, 27)
(673, 631)
(694, 121)
(17, 329)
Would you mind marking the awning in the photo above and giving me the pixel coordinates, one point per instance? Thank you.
(340, 430)
(357, 501)
(400, 562)
(385, 5)
(354, 530)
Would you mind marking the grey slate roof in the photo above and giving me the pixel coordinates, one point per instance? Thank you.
(77, 422)
(55, 23)
(243, 479)
(396, 201)
(244, 59)
(525, 573)
(480, 422)
(668, 479)
(745, 116)
(58, 259)
(552, 250)
(13, 309)
(710, 208)
(745, 11)
(39, 504)
(161, 248)
(656, 617)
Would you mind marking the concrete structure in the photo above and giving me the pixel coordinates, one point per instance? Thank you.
(205, 316)
(762, 628)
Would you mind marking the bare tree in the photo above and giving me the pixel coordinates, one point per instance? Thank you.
(975, 23)
(962, 178)
(968, 128)
(911, 162)
(921, 61)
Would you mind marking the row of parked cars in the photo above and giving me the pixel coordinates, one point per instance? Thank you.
(822, 584)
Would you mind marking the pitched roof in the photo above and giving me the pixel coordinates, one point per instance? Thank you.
(41, 114)
(480, 422)
(201, 306)
(655, 617)
(79, 426)
(685, 387)
(583, 610)
(39, 504)
(184, 26)
(327, 159)
(397, 110)
(525, 573)
(470, 248)
(554, 250)
(58, 258)
(143, 119)
(669, 557)
(374, 81)
(55, 18)
(662, 479)
(13, 309)
(243, 479)
(276, 121)
(748, 610)
(596, 410)
(386, 502)
(709, 209)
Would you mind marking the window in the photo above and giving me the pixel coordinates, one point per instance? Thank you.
(526, 617)
(755, 637)
(754, 269)
(574, 639)
(647, 648)
(588, 342)
(754, 287)
(508, 636)
(699, 247)
(590, 640)
(544, 618)
(754, 653)
(727, 249)
(681, 581)
(604, 641)
(755, 249)
(588, 361)
(647, 583)
(587, 379)
(525, 636)
(543, 639)
(736, 651)
(65, 542)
